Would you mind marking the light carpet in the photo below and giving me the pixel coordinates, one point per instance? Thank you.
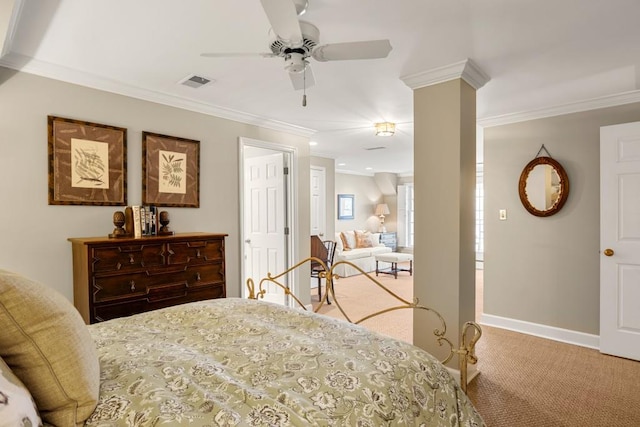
(527, 381)
(360, 296)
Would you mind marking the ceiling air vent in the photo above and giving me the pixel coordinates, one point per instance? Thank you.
(195, 81)
(375, 148)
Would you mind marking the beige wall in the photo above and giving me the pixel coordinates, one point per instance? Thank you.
(368, 192)
(34, 234)
(6, 9)
(546, 270)
(444, 185)
(367, 195)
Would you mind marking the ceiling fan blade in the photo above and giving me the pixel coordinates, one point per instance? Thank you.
(352, 50)
(284, 20)
(303, 80)
(237, 55)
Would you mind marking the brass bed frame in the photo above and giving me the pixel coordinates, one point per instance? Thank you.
(469, 335)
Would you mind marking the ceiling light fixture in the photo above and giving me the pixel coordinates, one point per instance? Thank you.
(385, 129)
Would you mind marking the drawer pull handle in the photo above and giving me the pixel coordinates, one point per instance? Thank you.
(198, 253)
(133, 286)
(197, 277)
(131, 260)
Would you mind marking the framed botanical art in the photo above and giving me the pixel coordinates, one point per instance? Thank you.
(345, 206)
(170, 171)
(87, 163)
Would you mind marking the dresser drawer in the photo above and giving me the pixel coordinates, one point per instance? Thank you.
(157, 281)
(112, 310)
(126, 257)
(116, 287)
(195, 251)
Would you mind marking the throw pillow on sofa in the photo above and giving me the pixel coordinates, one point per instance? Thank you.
(348, 240)
(363, 239)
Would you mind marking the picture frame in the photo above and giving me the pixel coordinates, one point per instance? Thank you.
(345, 206)
(170, 171)
(87, 163)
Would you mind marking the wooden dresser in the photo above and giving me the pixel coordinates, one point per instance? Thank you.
(123, 276)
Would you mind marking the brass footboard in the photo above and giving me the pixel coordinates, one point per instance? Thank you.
(469, 335)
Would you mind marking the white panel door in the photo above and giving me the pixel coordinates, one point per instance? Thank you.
(264, 220)
(620, 240)
(318, 202)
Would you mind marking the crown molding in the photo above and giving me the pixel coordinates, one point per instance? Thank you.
(28, 65)
(558, 110)
(352, 172)
(467, 70)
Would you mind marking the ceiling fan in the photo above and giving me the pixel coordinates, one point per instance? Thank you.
(296, 41)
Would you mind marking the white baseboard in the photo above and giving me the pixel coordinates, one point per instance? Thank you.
(550, 332)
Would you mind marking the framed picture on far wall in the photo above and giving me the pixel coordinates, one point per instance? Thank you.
(87, 163)
(170, 171)
(345, 206)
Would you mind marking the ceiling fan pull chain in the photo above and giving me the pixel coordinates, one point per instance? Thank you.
(304, 86)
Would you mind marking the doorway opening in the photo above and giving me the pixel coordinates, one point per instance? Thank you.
(267, 216)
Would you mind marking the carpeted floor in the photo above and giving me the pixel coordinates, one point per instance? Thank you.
(360, 296)
(524, 381)
(527, 381)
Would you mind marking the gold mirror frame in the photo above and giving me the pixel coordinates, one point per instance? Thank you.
(563, 192)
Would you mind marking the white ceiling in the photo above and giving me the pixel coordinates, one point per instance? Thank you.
(538, 54)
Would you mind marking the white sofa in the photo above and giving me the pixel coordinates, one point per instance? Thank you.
(363, 257)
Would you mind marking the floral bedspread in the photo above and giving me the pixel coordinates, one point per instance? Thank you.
(238, 362)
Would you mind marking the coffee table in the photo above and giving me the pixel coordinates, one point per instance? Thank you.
(394, 258)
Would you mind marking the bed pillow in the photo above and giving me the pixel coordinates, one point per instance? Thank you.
(46, 344)
(17, 407)
(363, 239)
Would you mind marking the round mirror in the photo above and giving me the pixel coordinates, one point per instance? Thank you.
(543, 187)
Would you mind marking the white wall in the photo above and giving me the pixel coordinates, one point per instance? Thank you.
(34, 234)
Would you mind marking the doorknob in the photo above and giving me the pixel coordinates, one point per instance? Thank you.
(248, 241)
(608, 252)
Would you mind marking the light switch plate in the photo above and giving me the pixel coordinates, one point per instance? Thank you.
(503, 214)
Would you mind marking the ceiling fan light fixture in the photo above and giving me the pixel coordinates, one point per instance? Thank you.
(385, 129)
(295, 63)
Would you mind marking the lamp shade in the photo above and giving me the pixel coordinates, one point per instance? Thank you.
(382, 209)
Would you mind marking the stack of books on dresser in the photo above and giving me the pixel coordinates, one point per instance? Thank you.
(141, 221)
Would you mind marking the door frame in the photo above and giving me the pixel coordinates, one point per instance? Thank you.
(324, 201)
(290, 208)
